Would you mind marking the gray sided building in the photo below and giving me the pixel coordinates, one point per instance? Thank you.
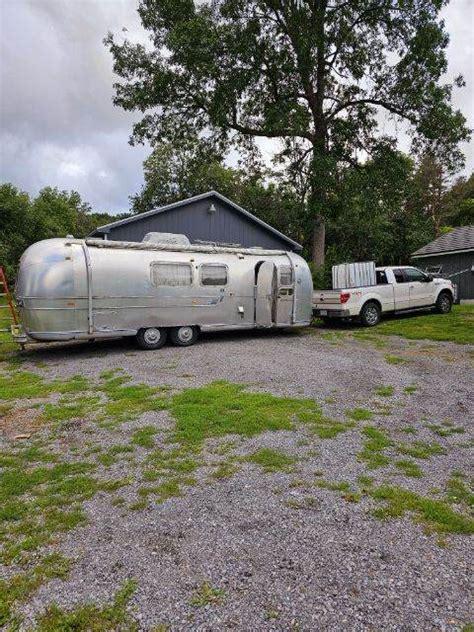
(209, 217)
(452, 256)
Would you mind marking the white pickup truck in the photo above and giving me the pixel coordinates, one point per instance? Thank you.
(398, 288)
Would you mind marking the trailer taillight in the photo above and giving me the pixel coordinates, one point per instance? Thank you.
(344, 297)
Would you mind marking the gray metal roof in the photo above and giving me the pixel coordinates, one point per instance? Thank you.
(162, 209)
(461, 238)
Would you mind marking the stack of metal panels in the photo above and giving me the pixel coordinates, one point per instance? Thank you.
(360, 274)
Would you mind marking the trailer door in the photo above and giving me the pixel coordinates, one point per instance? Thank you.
(265, 294)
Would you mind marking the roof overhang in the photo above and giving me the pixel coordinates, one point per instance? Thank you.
(442, 253)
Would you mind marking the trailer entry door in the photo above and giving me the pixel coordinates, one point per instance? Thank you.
(265, 294)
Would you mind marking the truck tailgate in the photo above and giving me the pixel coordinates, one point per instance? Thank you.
(327, 298)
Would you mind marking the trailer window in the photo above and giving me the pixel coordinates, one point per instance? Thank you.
(286, 275)
(171, 274)
(213, 274)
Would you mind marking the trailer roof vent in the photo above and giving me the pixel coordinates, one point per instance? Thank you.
(166, 238)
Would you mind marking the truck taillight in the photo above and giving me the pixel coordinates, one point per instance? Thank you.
(344, 297)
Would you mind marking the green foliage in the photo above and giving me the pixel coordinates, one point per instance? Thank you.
(241, 71)
(207, 595)
(271, 460)
(457, 326)
(384, 391)
(375, 443)
(52, 213)
(409, 468)
(92, 618)
(359, 414)
(436, 515)
(420, 449)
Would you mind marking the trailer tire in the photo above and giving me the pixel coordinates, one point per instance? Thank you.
(184, 336)
(370, 314)
(444, 302)
(151, 338)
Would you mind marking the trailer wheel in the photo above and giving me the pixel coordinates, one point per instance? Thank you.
(184, 336)
(370, 314)
(444, 303)
(151, 338)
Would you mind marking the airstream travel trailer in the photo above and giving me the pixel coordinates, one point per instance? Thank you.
(163, 287)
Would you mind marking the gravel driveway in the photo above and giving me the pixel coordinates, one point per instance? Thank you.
(285, 549)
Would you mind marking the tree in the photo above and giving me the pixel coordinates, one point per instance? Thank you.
(17, 226)
(312, 73)
(173, 172)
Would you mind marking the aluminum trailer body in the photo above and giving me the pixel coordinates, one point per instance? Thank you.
(74, 289)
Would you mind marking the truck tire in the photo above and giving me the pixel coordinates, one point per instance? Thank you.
(151, 338)
(370, 314)
(444, 302)
(184, 336)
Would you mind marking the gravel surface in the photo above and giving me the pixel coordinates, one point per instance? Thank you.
(287, 554)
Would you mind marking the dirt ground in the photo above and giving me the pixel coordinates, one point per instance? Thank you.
(301, 545)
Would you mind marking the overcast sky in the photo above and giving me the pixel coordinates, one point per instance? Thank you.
(58, 124)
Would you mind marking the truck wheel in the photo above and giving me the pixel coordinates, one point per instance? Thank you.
(151, 338)
(370, 314)
(444, 302)
(184, 336)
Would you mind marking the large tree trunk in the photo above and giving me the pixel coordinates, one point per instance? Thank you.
(318, 241)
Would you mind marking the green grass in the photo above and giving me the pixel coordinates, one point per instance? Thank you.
(19, 588)
(393, 359)
(143, 437)
(384, 391)
(446, 429)
(435, 515)
(222, 408)
(412, 388)
(27, 385)
(359, 414)
(207, 595)
(409, 468)
(458, 326)
(420, 449)
(459, 491)
(91, 618)
(224, 470)
(376, 441)
(271, 460)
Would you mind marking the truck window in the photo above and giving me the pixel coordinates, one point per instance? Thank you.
(171, 274)
(213, 274)
(381, 277)
(412, 274)
(286, 275)
(399, 276)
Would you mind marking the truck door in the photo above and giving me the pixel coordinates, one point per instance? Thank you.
(421, 290)
(285, 295)
(265, 294)
(400, 290)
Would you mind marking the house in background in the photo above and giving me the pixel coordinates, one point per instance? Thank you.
(451, 255)
(209, 217)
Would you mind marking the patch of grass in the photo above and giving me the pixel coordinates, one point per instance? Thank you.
(446, 428)
(271, 460)
(376, 441)
(408, 430)
(359, 414)
(458, 326)
(393, 359)
(170, 488)
(207, 595)
(90, 617)
(143, 437)
(459, 491)
(67, 409)
(420, 449)
(222, 408)
(336, 486)
(18, 588)
(412, 388)
(435, 515)
(27, 385)
(224, 470)
(308, 502)
(128, 401)
(384, 391)
(409, 468)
